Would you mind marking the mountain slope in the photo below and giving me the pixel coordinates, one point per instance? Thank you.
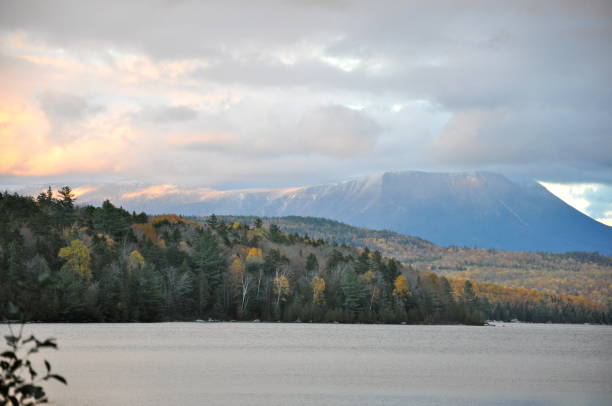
(466, 209)
(579, 274)
(476, 209)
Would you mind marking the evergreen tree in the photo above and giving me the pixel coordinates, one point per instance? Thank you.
(208, 267)
(212, 222)
(353, 290)
(312, 264)
(112, 221)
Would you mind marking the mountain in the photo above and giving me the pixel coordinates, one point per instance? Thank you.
(471, 209)
(476, 209)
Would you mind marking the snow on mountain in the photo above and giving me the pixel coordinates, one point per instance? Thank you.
(474, 209)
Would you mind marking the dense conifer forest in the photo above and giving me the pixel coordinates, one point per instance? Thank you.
(64, 262)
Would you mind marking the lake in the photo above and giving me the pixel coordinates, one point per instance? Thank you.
(329, 364)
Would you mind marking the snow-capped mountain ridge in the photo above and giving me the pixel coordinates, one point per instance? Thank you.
(475, 209)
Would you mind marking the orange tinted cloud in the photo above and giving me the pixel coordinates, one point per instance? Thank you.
(80, 191)
(20, 134)
(27, 147)
(152, 192)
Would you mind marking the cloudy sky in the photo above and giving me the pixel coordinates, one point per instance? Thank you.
(285, 93)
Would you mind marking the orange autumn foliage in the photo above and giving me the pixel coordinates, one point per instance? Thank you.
(148, 231)
(495, 294)
(173, 219)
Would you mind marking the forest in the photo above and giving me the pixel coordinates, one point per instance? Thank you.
(585, 274)
(60, 261)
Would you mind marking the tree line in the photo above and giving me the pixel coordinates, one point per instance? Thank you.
(572, 273)
(63, 262)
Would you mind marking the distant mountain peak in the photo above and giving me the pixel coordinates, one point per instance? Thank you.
(474, 209)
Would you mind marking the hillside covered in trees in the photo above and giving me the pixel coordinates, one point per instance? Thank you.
(575, 273)
(63, 262)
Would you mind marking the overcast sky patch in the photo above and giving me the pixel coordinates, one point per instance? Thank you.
(323, 90)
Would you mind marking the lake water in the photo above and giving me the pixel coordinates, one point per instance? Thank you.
(329, 364)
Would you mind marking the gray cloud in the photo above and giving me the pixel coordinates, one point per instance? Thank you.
(60, 105)
(331, 131)
(521, 87)
(167, 114)
(542, 134)
(337, 131)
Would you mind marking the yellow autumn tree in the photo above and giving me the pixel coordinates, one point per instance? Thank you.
(236, 274)
(254, 260)
(136, 261)
(254, 255)
(318, 290)
(108, 240)
(281, 288)
(401, 289)
(77, 258)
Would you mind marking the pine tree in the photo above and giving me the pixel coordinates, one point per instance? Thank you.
(353, 290)
(208, 267)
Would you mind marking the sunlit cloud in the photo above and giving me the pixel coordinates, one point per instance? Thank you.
(81, 191)
(187, 95)
(117, 65)
(28, 146)
(196, 194)
(138, 68)
(583, 197)
(152, 192)
(22, 130)
(345, 64)
(607, 219)
(572, 194)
